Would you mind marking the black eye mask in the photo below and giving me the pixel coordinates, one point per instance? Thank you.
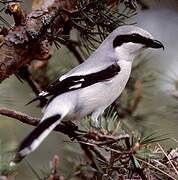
(136, 38)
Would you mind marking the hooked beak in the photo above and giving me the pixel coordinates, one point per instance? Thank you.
(155, 44)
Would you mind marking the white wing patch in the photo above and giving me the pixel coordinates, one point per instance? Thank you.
(75, 86)
(81, 80)
(43, 93)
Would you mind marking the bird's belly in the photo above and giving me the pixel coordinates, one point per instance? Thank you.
(102, 94)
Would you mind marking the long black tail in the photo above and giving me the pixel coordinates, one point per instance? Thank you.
(35, 138)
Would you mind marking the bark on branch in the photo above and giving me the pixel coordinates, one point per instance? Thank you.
(26, 119)
(27, 39)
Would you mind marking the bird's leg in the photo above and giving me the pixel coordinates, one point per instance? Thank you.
(94, 118)
(94, 122)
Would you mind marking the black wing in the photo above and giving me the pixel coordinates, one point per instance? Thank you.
(76, 82)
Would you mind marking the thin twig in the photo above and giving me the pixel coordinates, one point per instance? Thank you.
(98, 153)
(168, 158)
(156, 168)
(72, 46)
(26, 75)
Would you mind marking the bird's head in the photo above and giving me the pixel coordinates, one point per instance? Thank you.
(128, 41)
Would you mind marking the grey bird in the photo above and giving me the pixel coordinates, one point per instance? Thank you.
(92, 86)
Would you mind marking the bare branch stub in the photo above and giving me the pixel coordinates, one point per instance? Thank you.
(14, 8)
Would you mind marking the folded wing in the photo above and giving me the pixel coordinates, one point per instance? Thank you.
(79, 81)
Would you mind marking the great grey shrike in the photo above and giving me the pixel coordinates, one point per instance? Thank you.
(92, 86)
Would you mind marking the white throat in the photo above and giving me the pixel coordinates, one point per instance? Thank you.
(122, 54)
